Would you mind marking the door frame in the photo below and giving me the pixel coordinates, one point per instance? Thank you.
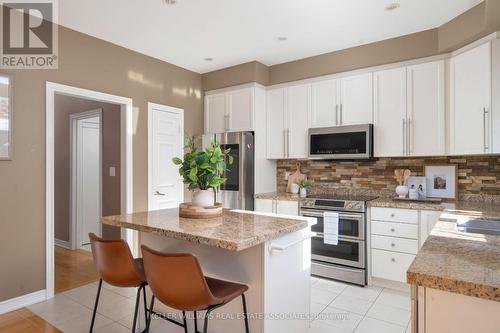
(164, 108)
(126, 107)
(74, 120)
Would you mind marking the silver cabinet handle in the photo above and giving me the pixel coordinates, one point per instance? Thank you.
(341, 111)
(485, 127)
(284, 143)
(408, 140)
(404, 136)
(288, 143)
(226, 121)
(336, 114)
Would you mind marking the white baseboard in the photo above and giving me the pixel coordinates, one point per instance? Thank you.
(22, 301)
(62, 243)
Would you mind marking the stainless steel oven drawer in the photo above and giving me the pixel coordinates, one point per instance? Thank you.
(336, 272)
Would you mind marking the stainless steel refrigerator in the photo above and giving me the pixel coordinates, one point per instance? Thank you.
(238, 191)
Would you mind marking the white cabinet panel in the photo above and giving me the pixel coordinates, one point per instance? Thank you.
(356, 100)
(276, 109)
(428, 220)
(325, 103)
(394, 215)
(390, 112)
(264, 205)
(287, 207)
(470, 89)
(390, 265)
(241, 110)
(299, 104)
(392, 229)
(425, 111)
(395, 244)
(215, 113)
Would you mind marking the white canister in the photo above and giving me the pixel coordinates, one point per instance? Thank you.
(402, 191)
(303, 192)
(413, 194)
(294, 188)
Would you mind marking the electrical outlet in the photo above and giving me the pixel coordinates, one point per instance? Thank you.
(112, 171)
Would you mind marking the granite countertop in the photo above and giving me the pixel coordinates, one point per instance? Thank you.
(278, 196)
(234, 230)
(459, 262)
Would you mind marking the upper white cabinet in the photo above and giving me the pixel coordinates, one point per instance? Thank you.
(230, 111)
(390, 112)
(425, 114)
(287, 120)
(470, 98)
(345, 101)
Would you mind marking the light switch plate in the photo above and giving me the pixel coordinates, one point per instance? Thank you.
(112, 171)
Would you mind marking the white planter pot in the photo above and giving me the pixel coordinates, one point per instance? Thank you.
(303, 192)
(402, 191)
(294, 188)
(203, 198)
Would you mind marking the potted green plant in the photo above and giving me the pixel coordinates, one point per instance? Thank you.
(203, 170)
(304, 185)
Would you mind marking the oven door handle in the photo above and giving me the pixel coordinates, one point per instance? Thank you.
(283, 247)
(341, 215)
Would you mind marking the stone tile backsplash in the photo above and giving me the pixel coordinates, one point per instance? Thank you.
(476, 174)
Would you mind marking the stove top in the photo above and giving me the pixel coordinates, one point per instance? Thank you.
(332, 202)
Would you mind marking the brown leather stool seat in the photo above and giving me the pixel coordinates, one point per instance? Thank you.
(116, 266)
(177, 280)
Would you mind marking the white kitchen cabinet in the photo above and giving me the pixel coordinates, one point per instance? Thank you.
(285, 207)
(470, 101)
(276, 120)
(215, 113)
(288, 121)
(356, 100)
(345, 101)
(325, 103)
(425, 116)
(428, 219)
(298, 107)
(230, 111)
(390, 112)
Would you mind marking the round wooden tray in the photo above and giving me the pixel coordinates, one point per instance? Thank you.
(186, 209)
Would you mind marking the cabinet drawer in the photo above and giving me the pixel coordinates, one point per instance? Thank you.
(395, 244)
(390, 265)
(394, 229)
(395, 215)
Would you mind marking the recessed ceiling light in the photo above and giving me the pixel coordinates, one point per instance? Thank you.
(209, 59)
(170, 2)
(282, 38)
(392, 6)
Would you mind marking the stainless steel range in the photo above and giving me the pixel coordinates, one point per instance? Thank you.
(345, 261)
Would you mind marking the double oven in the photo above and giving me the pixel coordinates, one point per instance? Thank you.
(346, 260)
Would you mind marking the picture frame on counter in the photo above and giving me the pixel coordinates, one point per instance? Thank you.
(5, 118)
(418, 183)
(442, 181)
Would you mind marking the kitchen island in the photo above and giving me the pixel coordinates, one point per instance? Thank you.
(268, 252)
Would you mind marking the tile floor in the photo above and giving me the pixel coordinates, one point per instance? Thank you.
(336, 308)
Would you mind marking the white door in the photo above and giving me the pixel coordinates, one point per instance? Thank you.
(298, 107)
(216, 115)
(325, 103)
(88, 180)
(470, 115)
(276, 108)
(390, 112)
(241, 110)
(166, 128)
(425, 112)
(356, 103)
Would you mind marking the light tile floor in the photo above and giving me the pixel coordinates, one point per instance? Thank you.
(337, 308)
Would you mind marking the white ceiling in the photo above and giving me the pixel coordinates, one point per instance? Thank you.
(237, 31)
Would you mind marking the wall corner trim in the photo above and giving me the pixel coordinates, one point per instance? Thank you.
(22, 301)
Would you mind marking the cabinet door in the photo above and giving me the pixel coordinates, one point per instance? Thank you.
(264, 205)
(425, 109)
(325, 103)
(276, 107)
(287, 207)
(356, 103)
(241, 110)
(298, 108)
(470, 101)
(215, 113)
(390, 112)
(428, 220)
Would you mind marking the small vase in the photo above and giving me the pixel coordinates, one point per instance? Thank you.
(203, 198)
(294, 188)
(303, 192)
(402, 191)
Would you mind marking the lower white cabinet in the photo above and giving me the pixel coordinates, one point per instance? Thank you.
(285, 207)
(390, 265)
(428, 219)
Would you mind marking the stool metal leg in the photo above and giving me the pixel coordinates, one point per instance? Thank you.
(185, 322)
(151, 305)
(95, 306)
(245, 312)
(136, 310)
(145, 305)
(195, 322)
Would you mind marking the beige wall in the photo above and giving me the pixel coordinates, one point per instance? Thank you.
(64, 106)
(477, 22)
(89, 63)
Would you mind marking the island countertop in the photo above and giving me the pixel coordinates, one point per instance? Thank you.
(235, 230)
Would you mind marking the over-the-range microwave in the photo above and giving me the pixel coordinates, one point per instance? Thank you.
(341, 142)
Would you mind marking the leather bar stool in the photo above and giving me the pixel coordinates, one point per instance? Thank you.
(177, 280)
(116, 266)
